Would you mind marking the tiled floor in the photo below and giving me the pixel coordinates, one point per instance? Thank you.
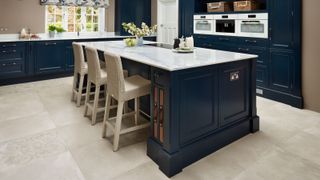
(44, 136)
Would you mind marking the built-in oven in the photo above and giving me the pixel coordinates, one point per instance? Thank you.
(252, 25)
(225, 24)
(203, 24)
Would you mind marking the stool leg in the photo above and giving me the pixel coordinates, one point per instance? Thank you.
(79, 95)
(106, 116)
(74, 86)
(88, 90)
(95, 105)
(118, 126)
(137, 110)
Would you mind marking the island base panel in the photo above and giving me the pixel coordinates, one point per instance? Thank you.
(172, 164)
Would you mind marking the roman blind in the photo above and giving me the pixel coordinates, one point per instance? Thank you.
(88, 3)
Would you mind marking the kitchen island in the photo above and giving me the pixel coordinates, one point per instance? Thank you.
(199, 103)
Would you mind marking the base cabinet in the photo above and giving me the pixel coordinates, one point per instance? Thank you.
(13, 60)
(281, 70)
(49, 57)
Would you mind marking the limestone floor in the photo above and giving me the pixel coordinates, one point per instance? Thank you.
(44, 136)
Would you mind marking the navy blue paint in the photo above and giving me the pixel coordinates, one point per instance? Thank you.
(279, 62)
(136, 11)
(204, 112)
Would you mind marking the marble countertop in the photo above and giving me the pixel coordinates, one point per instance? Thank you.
(167, 59)
(64, 36)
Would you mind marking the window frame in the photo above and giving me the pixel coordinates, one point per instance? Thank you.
(101, 19)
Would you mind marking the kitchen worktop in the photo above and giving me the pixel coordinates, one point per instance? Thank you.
(64, 36)
(167, 59)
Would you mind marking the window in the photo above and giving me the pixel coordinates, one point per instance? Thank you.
(74, 19)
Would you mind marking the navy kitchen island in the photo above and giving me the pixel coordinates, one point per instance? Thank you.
(199, 103)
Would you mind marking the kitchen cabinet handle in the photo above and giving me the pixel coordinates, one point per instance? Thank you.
(13, 45)
(3, 64)
(224, 39)
(249, 41)
(48, 44)
(242, 49)
(4, 51)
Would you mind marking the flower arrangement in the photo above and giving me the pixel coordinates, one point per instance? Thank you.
(145, 30)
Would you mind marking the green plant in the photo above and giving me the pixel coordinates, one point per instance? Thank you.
(51, 28)
(60, 29)
(145, 30)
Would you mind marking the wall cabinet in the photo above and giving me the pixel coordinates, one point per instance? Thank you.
(186, 8)
(281, 24)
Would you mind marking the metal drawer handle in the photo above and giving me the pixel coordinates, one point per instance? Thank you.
(14, 63)
(13, 45)
(47, 44)
(3, 64)
(223, 39)
(248, 41)
(4, 51)
(242, 49)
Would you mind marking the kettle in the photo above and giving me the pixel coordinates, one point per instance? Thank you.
(24, 33)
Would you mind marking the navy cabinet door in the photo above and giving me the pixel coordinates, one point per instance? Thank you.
(281, 70)
(186, 17)
(69, 58)
(49, 57)
(198, 103)
(233, 92)
(281, 24)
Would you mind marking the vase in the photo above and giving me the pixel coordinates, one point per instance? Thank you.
(139, 41)
(51, 34)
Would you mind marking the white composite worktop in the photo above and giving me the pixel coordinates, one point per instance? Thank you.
(63, 36)
(167, 59)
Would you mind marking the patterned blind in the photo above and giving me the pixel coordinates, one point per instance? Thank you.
(90, 3)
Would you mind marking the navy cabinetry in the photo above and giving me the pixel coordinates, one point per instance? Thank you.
(281, 70)
(233, 82)
(186, 8)
(49, 57)
(13, 60)
(69, 59)
(199, 101)
(136, 11)
(281, 24)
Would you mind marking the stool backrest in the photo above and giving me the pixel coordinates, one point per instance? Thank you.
(94, 69)
(115, 79)
(79, 61)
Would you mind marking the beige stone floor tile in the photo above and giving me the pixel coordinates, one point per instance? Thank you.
(304, 145)
(16, 105)
(25, 126)
(23, 151)
(98, 161)
(146, 171)
(79, 135)
(281, 165)
(59, 167)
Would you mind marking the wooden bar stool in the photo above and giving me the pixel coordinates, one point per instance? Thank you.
(80, 70)
(98, 77)
(122, 89)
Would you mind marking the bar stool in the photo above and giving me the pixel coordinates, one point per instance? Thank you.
(98, 77)
(122, 89)
(80, 70)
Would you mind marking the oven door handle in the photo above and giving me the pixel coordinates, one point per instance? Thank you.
(251, 22)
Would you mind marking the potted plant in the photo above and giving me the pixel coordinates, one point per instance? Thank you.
(139, 33)
(60, 30)
(52, 30)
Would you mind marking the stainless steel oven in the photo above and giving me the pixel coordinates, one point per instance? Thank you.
(203, 24)
(252, 25)
(225, 24)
